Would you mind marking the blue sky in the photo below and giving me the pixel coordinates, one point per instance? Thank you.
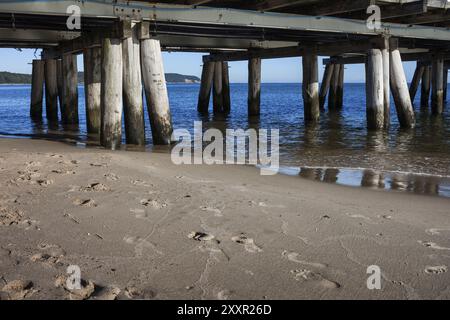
(274, 70)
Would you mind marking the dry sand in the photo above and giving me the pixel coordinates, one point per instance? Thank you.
(140, 227)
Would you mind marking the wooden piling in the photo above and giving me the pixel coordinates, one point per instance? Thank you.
(333, 96)
(37, 89)
(51, 90)
(92, 88)
(226, 88)
(111, 93)
(386, 84)
(70, 89)
(418, 74)
(437, 93)
(340, 88)
(375, 90)
(445, 84)
(205, 87)
(60, 84)
(426, 87)
(156, 91)
(218, 88)
(325, 86)
(311, 88)
(400, 91)
(132, 91)
(254, 87)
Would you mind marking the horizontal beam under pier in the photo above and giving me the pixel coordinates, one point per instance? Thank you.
(221, 16)
(295, 51)
(424, 57)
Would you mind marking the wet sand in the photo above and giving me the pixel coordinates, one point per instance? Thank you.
(141, 228)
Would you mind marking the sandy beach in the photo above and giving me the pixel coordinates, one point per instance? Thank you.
(139, 227)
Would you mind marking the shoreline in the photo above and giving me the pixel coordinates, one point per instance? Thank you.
(208, 232)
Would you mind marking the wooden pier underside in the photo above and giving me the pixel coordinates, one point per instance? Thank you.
(250, 30)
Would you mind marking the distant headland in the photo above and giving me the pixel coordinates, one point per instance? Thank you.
(20, 78)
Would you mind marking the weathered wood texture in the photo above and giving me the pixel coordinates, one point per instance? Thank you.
(387, 86)
(156, 91)
(340, 88)
(325, 86)
(445, 84)
(311, 88)
(204, 97)
(400, 91)
(426, 87)
(70, 89)
(226, 88)
(51, 90)
(60, 83)
(218, 88)
(254, 87)
(333, 96)
(111, 93)
(418, 74)
(37, 89)
(375, 90)
(92, 88)
(437, 93)
(132, 91)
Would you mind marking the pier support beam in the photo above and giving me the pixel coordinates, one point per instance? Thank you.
(132, 91)
(60, 84)
(399, 87)
(333, 96)
(418, 74)
(204, 97)
(111, 93)
(70, 89)
(437, 93)
(218, 88)
(340, 88)
(92, 88)
(375, 90)
(226, 88)
(254, 87)
(156, 91)
(37, 89)
(325, 86)
(311, 88)
(445, 85)
(426, 86)
(51, 90)
(386, 83)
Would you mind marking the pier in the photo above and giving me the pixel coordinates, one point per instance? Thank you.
(122, 44)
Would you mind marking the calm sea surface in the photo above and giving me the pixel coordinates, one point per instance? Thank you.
(338, 150)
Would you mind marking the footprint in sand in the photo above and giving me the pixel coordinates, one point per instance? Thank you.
(50, 254)
(248, 243)
(111, 177)
(295, 257)
(17, 290)
(317, 278)
(95, 187)
(433, 245)
(98, 165)
(84, 293)
(107, 294)
(200, 236)
(224, 295)
(136, 293)
(85, 203)
(44, 182)
(155, 204)
(436, 269)
(10, 217)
